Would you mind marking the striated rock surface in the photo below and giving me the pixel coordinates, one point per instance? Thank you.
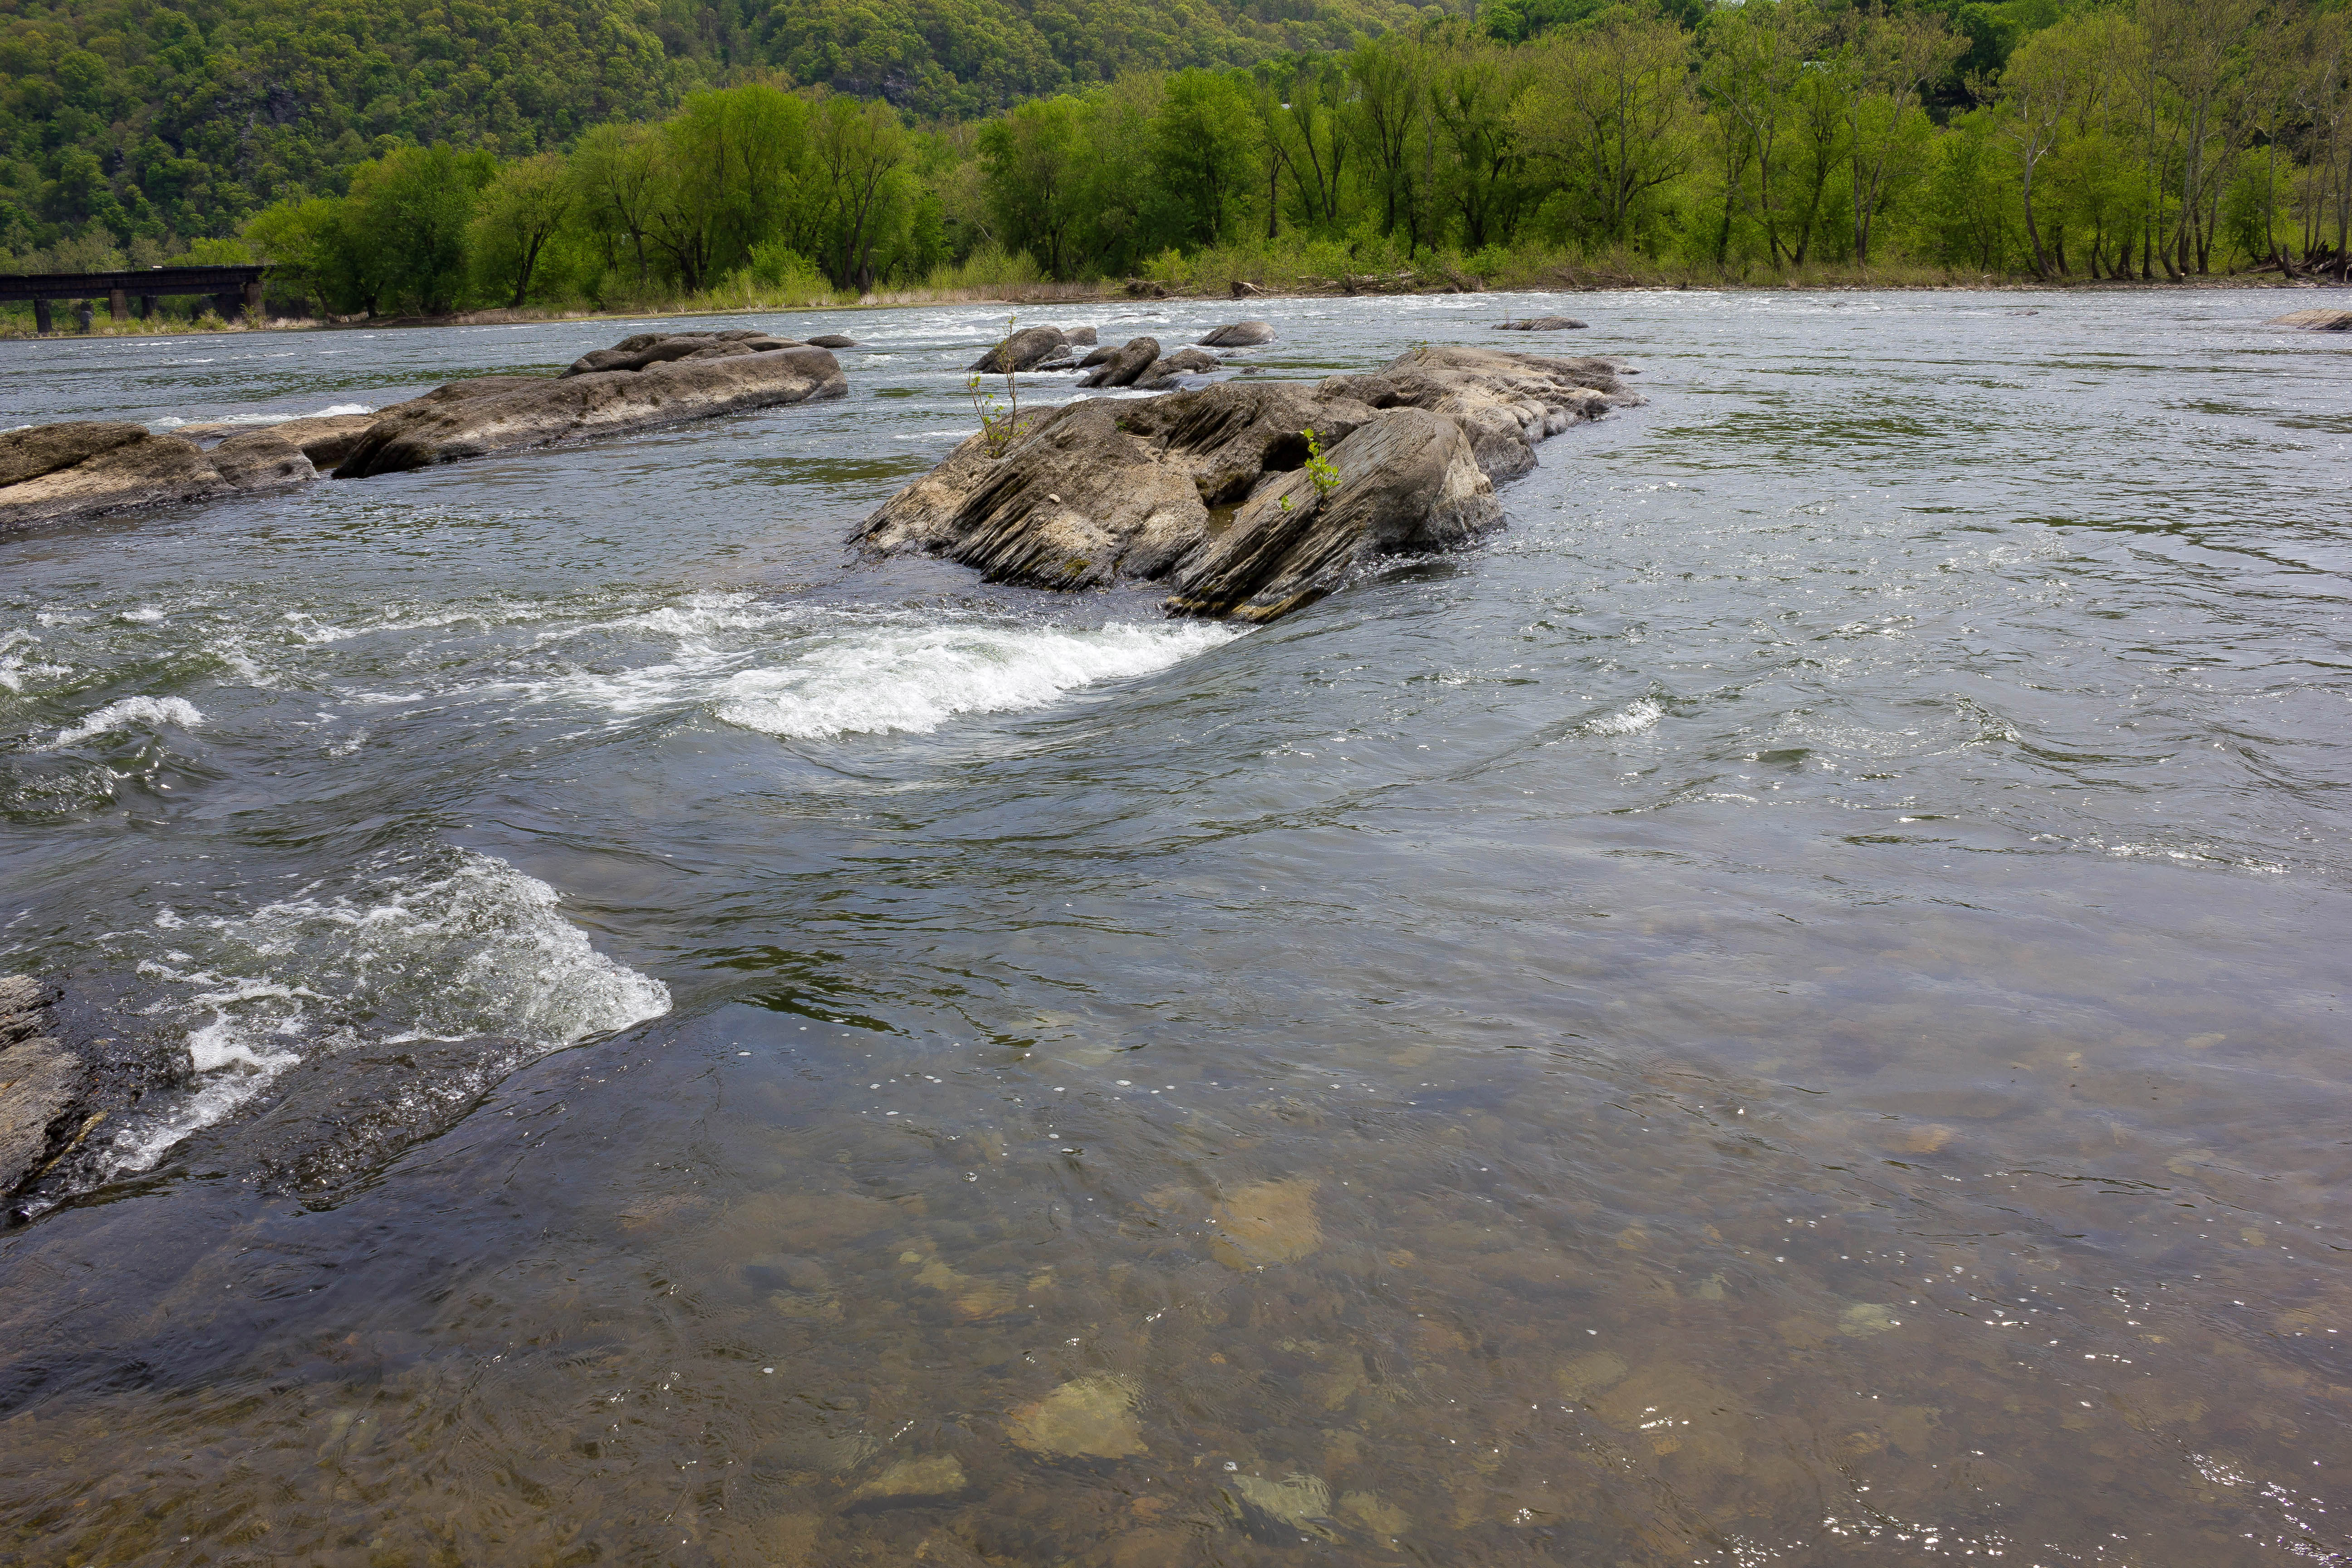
(1239, 336)
(2315, 320)
(80, 470)
(1209, 491)
(1541, 324)
(500, 413)
(41, 1084)
(1408, 484)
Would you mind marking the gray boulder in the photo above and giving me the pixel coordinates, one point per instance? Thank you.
(82, 469)
(2315, 320)
(831, 341)
(1022, 350)
(1122, 366)
(502, 413)
(1080, 337)
(1163, 373)
(1239, 336)
(1541, 324)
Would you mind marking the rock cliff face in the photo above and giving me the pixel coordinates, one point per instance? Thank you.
(638, 391)
(58, 471)
(1211, 492)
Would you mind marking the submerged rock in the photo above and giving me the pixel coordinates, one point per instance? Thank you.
(62, 472)
(1239, 336)
(1087, 1418)
(1541, 324)
(940, 1476)
(2315, 320)
(1208, 490)
(501, 413)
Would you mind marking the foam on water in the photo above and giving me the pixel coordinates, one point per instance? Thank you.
(124, 712)
(447, 944)
(1631, 719)
(913, 679)
(332, 412)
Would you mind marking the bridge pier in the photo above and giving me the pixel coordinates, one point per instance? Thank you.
(83, 314)
(41, 323)
(118, 305)
(253, 302)
(147, 303)
(226, 305)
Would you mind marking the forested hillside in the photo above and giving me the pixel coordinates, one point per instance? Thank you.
(157, 120)
(432, 157)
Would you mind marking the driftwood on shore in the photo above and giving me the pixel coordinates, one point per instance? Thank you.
(1247, 501)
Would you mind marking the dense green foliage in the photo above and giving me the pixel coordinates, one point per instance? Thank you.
(152, 121)
(423, 159)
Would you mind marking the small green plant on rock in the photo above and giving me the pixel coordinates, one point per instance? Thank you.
(1000, 418)
(1320, 471)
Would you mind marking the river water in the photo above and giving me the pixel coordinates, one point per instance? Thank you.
(1789, 1008)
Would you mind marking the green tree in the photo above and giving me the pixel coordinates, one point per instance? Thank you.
(519, 215)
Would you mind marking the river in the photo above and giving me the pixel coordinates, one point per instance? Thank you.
(1788, 1008)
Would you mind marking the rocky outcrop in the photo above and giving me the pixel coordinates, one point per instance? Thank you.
(64, 471)
(2315, 320)
(501, 413)
(1210, 493)
(56, 472)
(1541, 324)
(1121, 366)
(1403, 483)
(1239, 336)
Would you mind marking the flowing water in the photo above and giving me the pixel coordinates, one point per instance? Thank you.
(1789, 1008)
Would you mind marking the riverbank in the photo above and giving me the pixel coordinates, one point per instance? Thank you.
(1558, 279)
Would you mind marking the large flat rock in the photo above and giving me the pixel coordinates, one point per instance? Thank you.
(502, 413)
(110, 470)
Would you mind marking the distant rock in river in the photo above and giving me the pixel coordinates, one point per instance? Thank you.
(2314, 321)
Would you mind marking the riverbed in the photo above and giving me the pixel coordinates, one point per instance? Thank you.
(1791, 1007)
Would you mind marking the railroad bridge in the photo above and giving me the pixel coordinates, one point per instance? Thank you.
(232, 289)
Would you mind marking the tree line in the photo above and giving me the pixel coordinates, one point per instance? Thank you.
(2152, 139)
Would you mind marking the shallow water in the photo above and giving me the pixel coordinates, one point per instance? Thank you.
(1789, 1009)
